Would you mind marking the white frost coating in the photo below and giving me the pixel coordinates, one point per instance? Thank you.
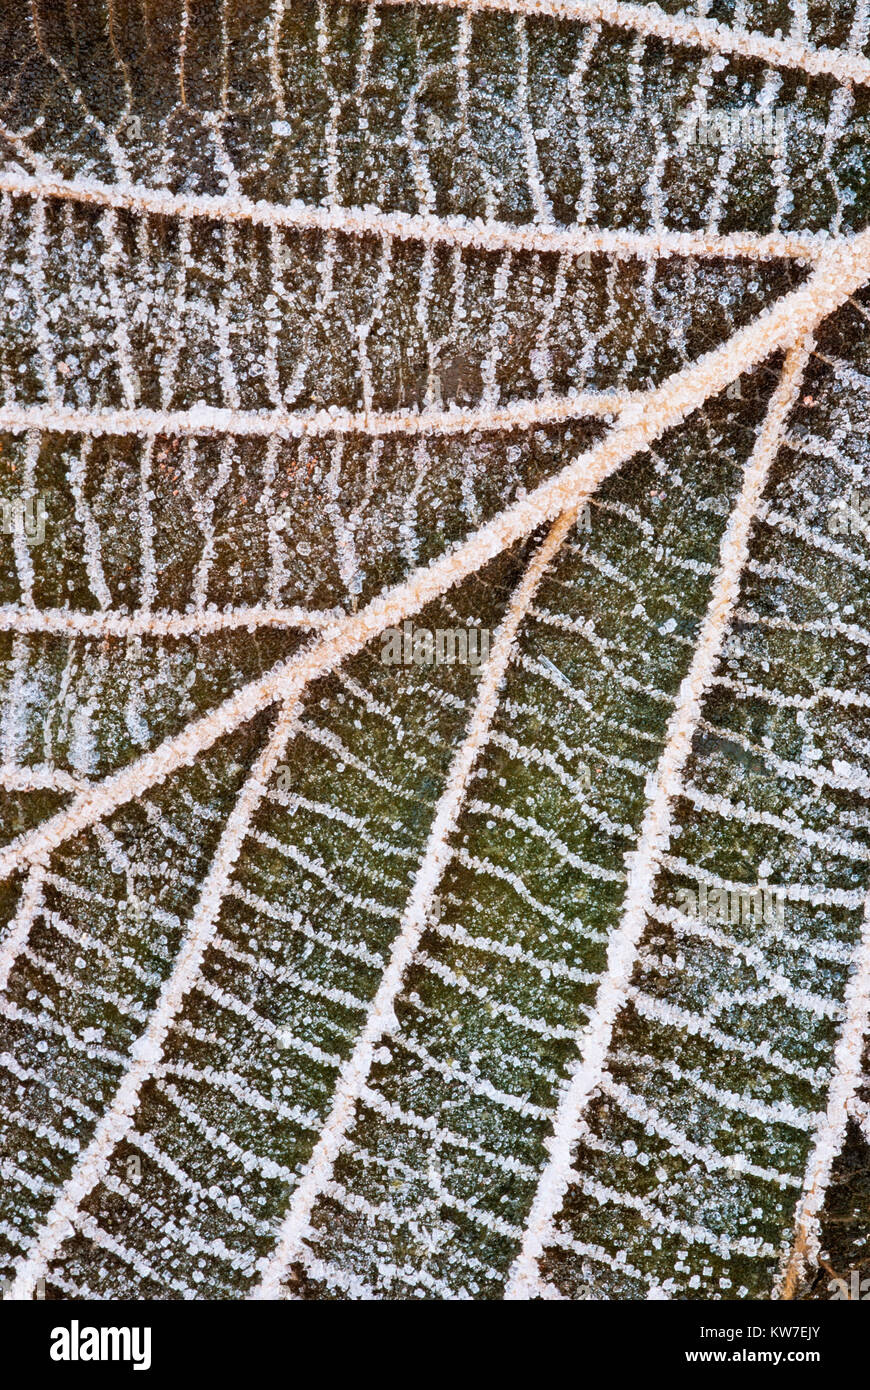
(595, 1040)
(672, 1017)
(18, 931)
(18, 777)
(78, 479)
(656, 1124)
(158, 624)
(860, 1112)
(37, 252)
(275, 22)
(688, 29)
(831, 1131)
(381, 1017)
(147, 562)
(20, 547)
(498, 327)
(213, 420)
(752, 1246)
(146, 1053)
(534, 178)
(842, 270)
(453, 231)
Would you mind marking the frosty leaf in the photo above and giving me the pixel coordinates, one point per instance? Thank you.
(334, 974)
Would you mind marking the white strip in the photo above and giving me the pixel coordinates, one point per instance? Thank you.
(595, 1040)
(15, 938)
(656, 1124)
(673, 1018)
(843, 269)
(752, 1246)
(830, 1134)
(452, 231)
(688, 29)
(69, 623)
(146, 1054)
(20, 777)
(285, 424)
(20, 546)
(77, 472)
(860, 1112)
(381, 1018)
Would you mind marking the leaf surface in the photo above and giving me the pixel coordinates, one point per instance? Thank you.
(328, 974)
